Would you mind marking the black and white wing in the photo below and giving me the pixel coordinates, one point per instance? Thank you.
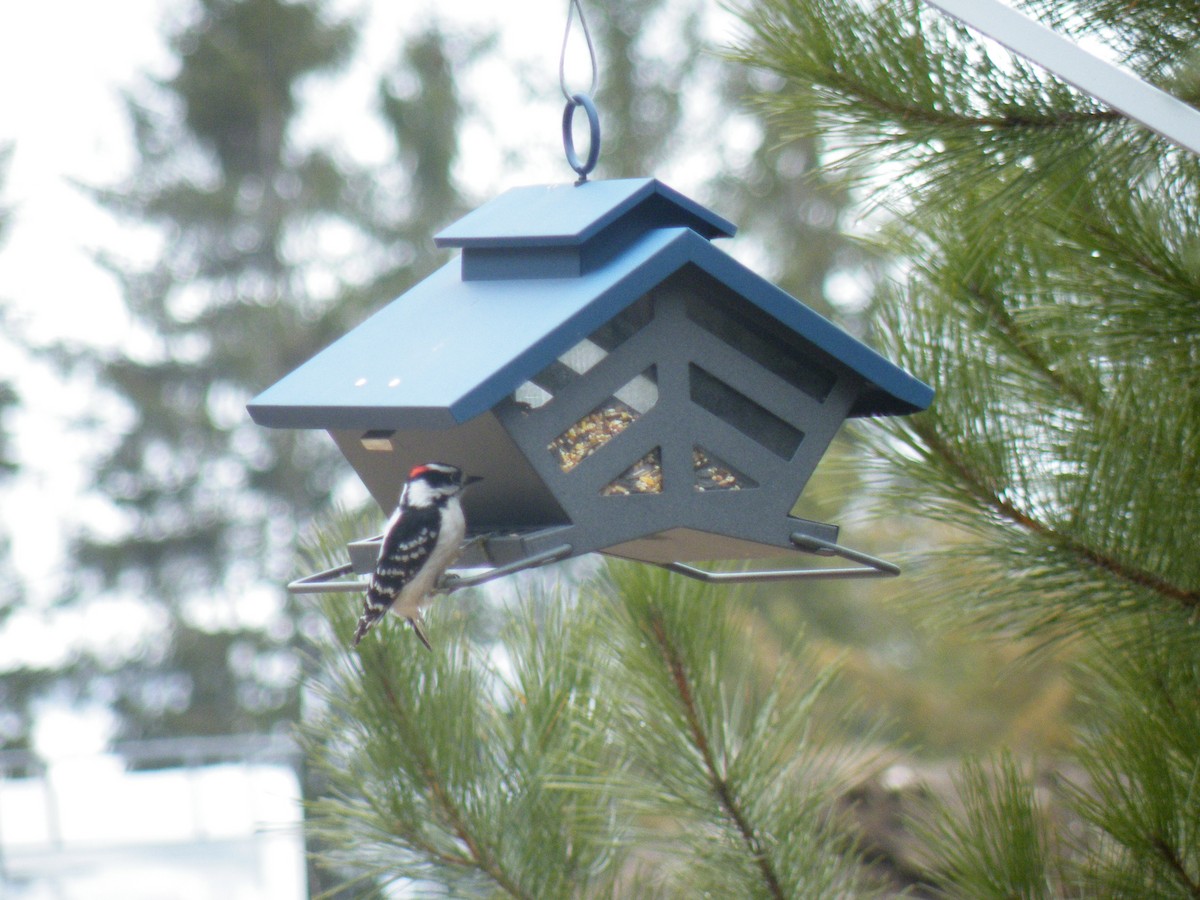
(406, 547)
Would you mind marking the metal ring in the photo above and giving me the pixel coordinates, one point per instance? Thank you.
(583, 169)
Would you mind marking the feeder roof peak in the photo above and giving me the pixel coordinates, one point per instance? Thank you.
(567, 215)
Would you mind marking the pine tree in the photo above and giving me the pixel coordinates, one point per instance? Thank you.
(1049, 295)
(618, 739)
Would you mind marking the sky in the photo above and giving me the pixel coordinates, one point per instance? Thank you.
(62, 63)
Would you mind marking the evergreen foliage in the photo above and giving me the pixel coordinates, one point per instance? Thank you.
(999, 844)
(1048, 291)
(615, 740)
(1142, 754)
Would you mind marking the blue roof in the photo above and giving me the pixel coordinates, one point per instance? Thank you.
(450, 349)
(564, 215)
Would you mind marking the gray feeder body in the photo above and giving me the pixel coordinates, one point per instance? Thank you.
(620, 383)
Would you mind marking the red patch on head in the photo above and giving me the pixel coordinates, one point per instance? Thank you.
(417, 470)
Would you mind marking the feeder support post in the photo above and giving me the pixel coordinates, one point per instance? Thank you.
(1169, 116)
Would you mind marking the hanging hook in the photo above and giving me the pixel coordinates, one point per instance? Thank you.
(573, 7)
(583, 169)
(577, 99)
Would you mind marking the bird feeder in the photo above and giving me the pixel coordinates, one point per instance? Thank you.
(622, 385)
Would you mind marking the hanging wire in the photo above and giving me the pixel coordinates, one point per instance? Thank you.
(583, 98)
(574, 6)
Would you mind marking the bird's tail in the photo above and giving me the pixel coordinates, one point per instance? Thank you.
(419, 630)
(375, 607)
(369, 618)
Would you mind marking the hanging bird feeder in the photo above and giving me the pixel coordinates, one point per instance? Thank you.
(622, 385)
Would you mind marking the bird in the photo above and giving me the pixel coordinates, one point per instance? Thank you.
(422, 540)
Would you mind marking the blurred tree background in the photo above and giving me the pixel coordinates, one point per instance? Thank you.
(18, 690)
(15, 695)
(1029, 253)
(205, 501)
(8, 393)
(268, 249)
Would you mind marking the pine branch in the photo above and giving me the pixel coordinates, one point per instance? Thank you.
(480, 857)
(968, 478)
(1018, 342)
(720, 785)
(915, 114)
(996, 841)
(1140, 757)
(902, 70)
(1168, 855)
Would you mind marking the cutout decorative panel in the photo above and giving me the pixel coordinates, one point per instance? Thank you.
(606, 421)
(739, 411)
(584, 356)
(761, 338)
(714, 474)
(644, 477)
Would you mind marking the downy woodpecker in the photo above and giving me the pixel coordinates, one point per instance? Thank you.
(423, 538)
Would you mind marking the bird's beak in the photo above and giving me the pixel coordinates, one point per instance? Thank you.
(471, 479)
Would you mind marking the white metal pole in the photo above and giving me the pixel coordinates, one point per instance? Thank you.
(1122, 90)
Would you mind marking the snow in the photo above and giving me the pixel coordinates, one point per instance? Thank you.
(91, 830)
